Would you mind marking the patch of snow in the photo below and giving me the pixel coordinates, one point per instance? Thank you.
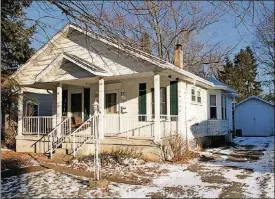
(41, 184)
(257, 142)
(132, 191)
(5, 149)
(252, 177)
(131, 161)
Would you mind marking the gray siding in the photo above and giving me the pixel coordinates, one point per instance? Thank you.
(44, 101)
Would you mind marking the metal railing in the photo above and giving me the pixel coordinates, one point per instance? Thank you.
(84, 133)
(125, 125)
(58, 134)
(168, 125)
(37, 125)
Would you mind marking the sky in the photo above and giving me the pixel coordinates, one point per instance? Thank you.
(224, 31)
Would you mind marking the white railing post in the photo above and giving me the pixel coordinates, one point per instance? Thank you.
(101, 108)
(38, 126)
(20, 113)
(74, 143)
(59, 108)
(51, 146)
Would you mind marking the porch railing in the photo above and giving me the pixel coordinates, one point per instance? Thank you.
(39, 125)
(138, 125)
(168, 125)
(84, 133)
(59, 133)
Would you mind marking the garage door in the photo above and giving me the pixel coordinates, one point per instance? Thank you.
(258, 123)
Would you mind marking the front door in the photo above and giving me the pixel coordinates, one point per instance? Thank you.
(76, 105)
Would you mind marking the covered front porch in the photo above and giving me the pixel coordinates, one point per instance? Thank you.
(141, 105)
(129, 106)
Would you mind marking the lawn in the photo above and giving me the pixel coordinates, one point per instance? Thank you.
(244, 170)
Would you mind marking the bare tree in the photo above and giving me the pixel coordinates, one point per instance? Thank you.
(264, 47)
(166, 23)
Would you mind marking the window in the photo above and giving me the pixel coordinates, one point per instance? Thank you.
(193, 95)
(223, 107)
(142, 102)
(163, 101)
(111, 103)
(32, 109)
(213, 107)
(198, 96)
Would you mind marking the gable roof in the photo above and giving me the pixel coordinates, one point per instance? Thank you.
(255, 97)
(126, 48)
(95, 70)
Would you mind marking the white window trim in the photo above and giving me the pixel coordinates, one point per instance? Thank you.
(162, 117)
(196, 102)
(224, 106)
(118, 99)
(193, 101)
(213, 106)
(31, 102)
(199, 90)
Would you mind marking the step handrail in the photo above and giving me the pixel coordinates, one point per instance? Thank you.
(51, 135)
(58, 126)
(91, 118)
(88, 120)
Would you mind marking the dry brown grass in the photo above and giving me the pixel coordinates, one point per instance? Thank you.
(178, 148)
(114, 156)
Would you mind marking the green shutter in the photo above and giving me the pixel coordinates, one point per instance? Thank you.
(174, 98)
(142, 102)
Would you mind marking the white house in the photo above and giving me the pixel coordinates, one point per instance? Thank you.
(139, 95)
(255, 117)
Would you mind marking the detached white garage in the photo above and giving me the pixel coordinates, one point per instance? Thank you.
(255, 117)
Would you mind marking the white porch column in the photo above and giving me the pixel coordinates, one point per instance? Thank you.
(20, 113)
(181, 107)
(157, 106)
(101, 108)
(54, 110)
(168, 103)
(59, 107)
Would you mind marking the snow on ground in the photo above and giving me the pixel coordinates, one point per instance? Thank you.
(45, 184)
(259, 180)
(245, 170)
(4, 149)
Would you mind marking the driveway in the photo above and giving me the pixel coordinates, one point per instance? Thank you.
(244, 170)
